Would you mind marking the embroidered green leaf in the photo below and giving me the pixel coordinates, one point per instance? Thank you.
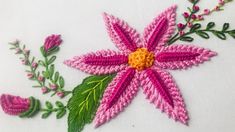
(60, 113)
(52, 70)
(46, 114)
(49, 105)
(210, 25)
(186, 38)
(43, 51)
(56, 77)
(59, 104)
(51, 60)
(195, 27)
(85, 100)
(61, 82)
(203, 34)
(219, 34)
(225, 27)
(232, 33)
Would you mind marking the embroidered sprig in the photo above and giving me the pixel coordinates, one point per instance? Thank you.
(188, 28)
(48, 80)
(60, 109)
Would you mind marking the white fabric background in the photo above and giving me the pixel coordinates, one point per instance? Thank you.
(208, 90)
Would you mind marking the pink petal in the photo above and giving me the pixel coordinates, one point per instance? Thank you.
(160, 30)
(125, 37)
(161, 90)
(182, 56)
(118, 95)
(101, 62)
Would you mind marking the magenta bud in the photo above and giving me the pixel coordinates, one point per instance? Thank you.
(40, 78)
(34, 65)
(24, 62)
(194, 17)
(180, 26)
(53, 86)
(44, 90)
(60, 94)
(14, 105)
(207, 11)
(186, 14)
(200, 17)
(30, 75)
(18, 50)
(196, 8)
(52, 41)
(221, 2)
(190, 24)
(181, 33)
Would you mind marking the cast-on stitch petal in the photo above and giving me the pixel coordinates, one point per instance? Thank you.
(117, 95)
(160, 88)
(181, 56)
(158, 32)
(100, 62)
(125, 37)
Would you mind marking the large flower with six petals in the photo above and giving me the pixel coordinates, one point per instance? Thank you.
(141, 62)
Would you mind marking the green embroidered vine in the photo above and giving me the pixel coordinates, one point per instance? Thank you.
(85, 100)
(196, 29)
(60, 109)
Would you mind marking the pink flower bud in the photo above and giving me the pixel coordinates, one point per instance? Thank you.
(181, 33)
(40, 78)
(221, 2)
(52, 41)
(194, 17)
(196, 8)
(44, 90)
(24, 62)
(53, 86)
(30, 75)
(200, 17)
(190, 24)
(186, 14)
(60, 94)
(14, 105)
(34, 65)
(207, 11)
(180, 26)
(217, 8)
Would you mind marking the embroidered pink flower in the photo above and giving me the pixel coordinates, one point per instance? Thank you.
(14, 105)
(141, 62)
(52, 42)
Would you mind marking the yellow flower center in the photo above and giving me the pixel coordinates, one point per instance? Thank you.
(141, 59)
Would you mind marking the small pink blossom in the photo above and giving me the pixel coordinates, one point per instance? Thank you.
(196, 8)
(30, 75)
(194, 17)
(190, 24)
(34, 65)
(52, 41)
(180, 26)
(217, 8)
(26, 52)
(207, 11)
(24, 62)
(181, 33)
(40, 78)
(186, 14)
(221, 2)
(60, 94)
(200, 17)
(44, 90)
(53, 86)
(14, 105)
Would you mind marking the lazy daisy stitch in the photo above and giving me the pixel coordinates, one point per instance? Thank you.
(141, 62)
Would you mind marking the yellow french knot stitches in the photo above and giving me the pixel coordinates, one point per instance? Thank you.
(141, 59)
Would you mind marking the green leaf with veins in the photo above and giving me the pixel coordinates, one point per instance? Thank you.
(85, 100)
